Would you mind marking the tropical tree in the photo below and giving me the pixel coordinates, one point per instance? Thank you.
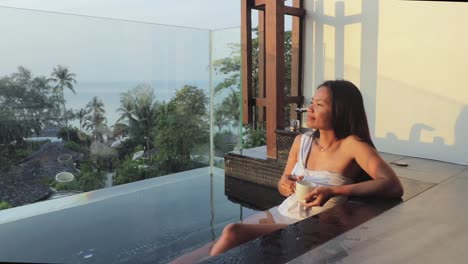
(120, 130)
(95, 120)
(127, 105)
(230, 68)
(26, 105)
(220, 119)
(139, 109)
(231, 104)
(63, 78)
(81, 115)
(182, 126)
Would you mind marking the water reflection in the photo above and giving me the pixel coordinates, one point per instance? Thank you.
(251, 195)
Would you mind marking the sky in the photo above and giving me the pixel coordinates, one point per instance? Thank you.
(110, 49)
(204, 14)
(110, 56)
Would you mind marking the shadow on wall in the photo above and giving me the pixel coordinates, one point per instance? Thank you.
(438, 148)
(323, 69)
(417, 122)
(397, 107)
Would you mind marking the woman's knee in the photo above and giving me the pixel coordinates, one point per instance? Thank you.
(231, 231)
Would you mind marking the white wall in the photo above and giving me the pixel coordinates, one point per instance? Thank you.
(410, 60)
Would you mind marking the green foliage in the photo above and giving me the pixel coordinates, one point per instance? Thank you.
(229, 110)
(72, 146)
(133, 170)
(139, 109)
(68, 134)
(120, 130)
(67, 186)
(4, 205)
(27, 105)
(73, 135)
(47, 180)
(81, 116)
(127, 147)
(103, 156)
(224, 141)
(63, 78)
(87, 180)
(10, 155)
(182, 126)
(95, 121)
(254, 137)
(139, 148)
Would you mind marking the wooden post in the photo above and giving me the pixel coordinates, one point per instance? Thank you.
(296, 57)
(246, 47)
(274, 38)
(270, 98)
(261, 63)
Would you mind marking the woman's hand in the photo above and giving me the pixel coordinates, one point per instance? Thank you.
(318, 196)
(287, 184)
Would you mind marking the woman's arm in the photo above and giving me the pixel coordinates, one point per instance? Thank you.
(285, 185)
(385, 183)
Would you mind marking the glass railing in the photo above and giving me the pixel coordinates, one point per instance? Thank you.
(87, 104)
(226, 85)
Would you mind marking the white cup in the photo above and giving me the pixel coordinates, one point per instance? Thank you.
(303, 188)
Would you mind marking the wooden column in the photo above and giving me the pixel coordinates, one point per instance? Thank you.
(246, 53)
(270, 98)
(296, 54)
(274, 66)
(261, 63)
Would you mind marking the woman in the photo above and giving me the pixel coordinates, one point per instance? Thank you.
(333, 156)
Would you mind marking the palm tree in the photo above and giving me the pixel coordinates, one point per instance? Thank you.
(96, 106)
(81, 115)
(139, 107)
(127, 107)
(145, 111)
(220, 119)
(95, 118)
(231, 106)
(63, 78)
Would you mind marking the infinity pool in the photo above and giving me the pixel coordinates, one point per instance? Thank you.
(151, 221)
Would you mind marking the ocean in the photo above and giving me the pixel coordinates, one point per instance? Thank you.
(109, 92)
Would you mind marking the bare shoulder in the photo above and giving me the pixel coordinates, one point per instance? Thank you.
(298, 138)
(353, 140)
(354, 143)
(297, 142)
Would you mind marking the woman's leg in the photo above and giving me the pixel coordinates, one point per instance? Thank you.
(194, 256)
(235, 234)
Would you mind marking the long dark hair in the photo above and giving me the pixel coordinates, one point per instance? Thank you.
(348, 114)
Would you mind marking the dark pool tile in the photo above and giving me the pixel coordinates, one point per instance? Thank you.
(286, 244)
(257, 152)
(251, 195)
(295, 240)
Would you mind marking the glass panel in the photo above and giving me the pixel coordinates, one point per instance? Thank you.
(226, 92)
(88, 103)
